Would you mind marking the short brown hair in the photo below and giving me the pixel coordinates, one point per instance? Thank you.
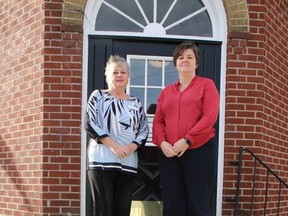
(184, 46)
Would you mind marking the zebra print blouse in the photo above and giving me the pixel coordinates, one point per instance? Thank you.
(122, 120)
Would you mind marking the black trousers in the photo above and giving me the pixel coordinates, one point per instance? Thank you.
(111, 192)
(187, 181)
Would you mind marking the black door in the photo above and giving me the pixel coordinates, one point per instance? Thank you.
(147, 185)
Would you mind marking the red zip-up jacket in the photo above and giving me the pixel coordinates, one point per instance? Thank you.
(189, 114)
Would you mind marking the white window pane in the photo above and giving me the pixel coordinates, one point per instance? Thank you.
(110, 20)
(148, 6)
(171, 74)
(198, 25)
(181, 9)
(149, 75)
(152, 95)
(139, 93)
(137, 75)
(154, 72)
(128, 7)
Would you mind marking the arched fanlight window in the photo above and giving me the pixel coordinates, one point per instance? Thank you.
(155, 17)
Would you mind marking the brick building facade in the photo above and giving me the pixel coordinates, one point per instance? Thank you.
(41, 88)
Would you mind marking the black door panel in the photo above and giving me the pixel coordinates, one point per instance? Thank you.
(147, 185)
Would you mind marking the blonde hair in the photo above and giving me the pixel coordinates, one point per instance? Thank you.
(115, 60)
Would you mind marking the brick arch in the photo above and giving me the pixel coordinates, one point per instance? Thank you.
(236, 11)
(237, 15)
(73, 12)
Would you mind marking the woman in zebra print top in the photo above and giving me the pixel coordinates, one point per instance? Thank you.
(118, 127)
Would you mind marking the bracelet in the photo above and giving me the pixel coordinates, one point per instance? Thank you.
(188, 141)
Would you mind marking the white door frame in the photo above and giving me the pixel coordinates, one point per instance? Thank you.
(217, 14)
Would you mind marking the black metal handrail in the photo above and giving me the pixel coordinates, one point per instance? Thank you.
(237, 210)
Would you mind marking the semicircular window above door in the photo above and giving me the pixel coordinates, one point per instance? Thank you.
(155, 18)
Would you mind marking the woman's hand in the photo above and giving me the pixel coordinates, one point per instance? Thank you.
(131, 148)
(123, 151)
(117, 149)
(120, 151)
(167, 149)
(180, 147)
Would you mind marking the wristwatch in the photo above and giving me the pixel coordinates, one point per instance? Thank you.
(188, 141)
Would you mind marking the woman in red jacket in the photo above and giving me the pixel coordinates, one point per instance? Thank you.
(183, 129)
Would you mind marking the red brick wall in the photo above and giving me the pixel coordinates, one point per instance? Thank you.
(256, 103)
(21, 102)
(40, 115)
(62, 114)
